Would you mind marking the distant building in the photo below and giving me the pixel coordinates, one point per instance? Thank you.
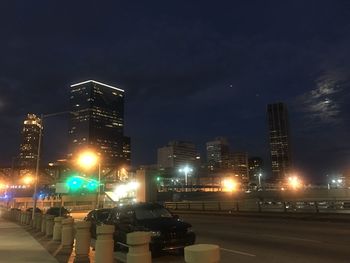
(30, 142)
(279, 140)
(240, 165)
(177, 154)
(255, 169)
(218, 153)
(97, 121)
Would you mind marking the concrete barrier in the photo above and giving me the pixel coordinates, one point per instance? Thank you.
(57, 229)
(104, 246)
(138, 243)
(67, 238)
(43, 224)
(37, 221)
(82, 240)
(49, 225)
(203, 253)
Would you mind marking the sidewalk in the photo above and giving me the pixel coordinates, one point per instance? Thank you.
(17, 246)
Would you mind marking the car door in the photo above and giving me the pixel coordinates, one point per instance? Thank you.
(125, 224)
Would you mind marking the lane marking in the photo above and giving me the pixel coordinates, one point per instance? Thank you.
(294, 238)
(238, 252)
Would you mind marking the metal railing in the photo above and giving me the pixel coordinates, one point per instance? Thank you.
(301, 206)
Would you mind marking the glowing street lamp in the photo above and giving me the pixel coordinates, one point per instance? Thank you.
(229, 185)
(186, 170)
(294, 182)
(28, 179)
(87, 160)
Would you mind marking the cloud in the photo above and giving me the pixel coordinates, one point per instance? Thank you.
(324, 104)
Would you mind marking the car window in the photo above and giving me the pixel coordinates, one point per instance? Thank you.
(151, 213)
(103, 215)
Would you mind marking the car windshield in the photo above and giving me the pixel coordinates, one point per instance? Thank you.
(151, 213)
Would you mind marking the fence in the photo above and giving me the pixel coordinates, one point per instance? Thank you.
(302, 206)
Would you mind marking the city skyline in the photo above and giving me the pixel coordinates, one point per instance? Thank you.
(188, 75)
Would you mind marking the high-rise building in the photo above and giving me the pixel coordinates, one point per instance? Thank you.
(97, 122)
(239, 161)
(30, 142)
(177, 154)
(255, 170)
(279, 140)
(218, 152)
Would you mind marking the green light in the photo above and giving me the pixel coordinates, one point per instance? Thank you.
(158, 179)
(74, 183)
(92, 185)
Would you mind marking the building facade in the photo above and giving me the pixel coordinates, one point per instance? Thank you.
(177, 154)
(218, 153)
(255, 170)
(97, 122)
(30, 142)
(279, 139)
(239, 161)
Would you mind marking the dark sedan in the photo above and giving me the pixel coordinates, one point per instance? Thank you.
(168, 232)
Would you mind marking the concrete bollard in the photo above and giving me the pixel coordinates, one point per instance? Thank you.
(28, 218)
(67, 237)
(37, 225)
(49, 225)
(204, 253)
(104, 247)
(82, 240)
(57, 229)
(21, 216)
(138, 247)
(43, 224)
(18, 214)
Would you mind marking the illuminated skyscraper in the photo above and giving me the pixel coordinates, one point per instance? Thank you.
(30, 141)
(97, 121)
(279, 140)
(218, 153)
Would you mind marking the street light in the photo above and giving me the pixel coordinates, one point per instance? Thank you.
(87, 160)
(259, 177)
(36, 180)
(186, 170)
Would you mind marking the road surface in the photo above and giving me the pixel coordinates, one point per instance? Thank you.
(252, 240)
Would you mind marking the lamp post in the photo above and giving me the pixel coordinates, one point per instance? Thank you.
(259, 177)
(88, 160)
(186, 170)
(36, 182)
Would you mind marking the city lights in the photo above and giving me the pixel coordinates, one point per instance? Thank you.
(294, 182)
(28, 179)
(88, 160)
(229, 185)
(126, 190)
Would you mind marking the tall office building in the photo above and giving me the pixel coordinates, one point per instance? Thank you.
(30, 142)
(279, 140)
(255, 169)
(97, 122)
(177, 154)
(239, 161)
(218, 152)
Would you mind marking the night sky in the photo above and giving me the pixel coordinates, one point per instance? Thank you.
(192, 70)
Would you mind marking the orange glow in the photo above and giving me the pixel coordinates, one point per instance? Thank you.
(87, 160)
(229, 185)
(295, 182)
(28, 179)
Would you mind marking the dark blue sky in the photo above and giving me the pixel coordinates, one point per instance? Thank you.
(192, 70)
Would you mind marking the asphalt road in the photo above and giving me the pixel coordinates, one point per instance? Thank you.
(248, 240)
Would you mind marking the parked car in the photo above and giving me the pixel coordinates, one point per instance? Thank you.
(58, 211)
(37, 210)
(168, 232)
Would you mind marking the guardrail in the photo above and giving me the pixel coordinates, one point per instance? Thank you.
(327, 206)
